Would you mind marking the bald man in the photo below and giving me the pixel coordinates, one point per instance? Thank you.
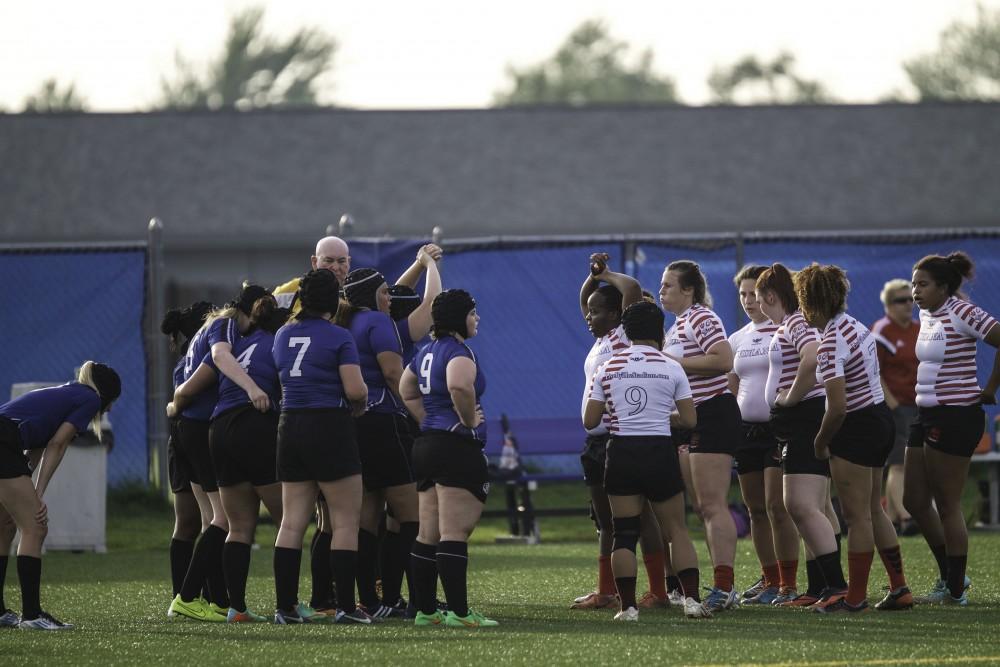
(333, 254)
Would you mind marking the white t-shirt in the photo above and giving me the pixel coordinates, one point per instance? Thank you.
(847, 349)
(604, 347)
(640, 387)
(946, 348)
(751, 364)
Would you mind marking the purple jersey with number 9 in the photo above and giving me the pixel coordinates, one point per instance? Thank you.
(308, 355)
(430, 366)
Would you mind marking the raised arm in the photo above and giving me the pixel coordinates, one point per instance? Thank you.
(420, 319)
(411, 276)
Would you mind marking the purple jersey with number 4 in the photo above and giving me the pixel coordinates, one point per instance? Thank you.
(253, 353)
(39, 414)
(308, 355)
(200, 409)
(430, 366)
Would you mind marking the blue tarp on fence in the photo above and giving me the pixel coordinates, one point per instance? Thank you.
(62, 308)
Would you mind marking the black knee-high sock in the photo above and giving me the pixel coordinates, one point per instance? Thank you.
(423, 563)
(814, 577)
(453, 564)
(236, 567)
(29, 575)
(286, 577)
(180, 560)
(689, 583)
(673, 583)
(395, 564)
(626, 591)
(390, 566)
(322, 575)
(366, 569)
(207, 553)
(3, 579)
(832, 570)
(217, 577)
(344, 564)
(941, 557)
(837, 537)
(956, 575)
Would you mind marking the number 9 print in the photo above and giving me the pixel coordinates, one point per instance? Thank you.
(636, 397)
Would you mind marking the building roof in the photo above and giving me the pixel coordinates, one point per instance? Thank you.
(286, 174)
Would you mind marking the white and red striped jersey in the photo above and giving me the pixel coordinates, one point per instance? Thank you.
(750, 363)
(785, 356)
(847, 350)
(694, 333)
(604, 347)
(640, 387)
(946, 348)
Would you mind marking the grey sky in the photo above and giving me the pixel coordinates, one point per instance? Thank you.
(452, 53)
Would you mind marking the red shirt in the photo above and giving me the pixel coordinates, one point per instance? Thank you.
(897, 358)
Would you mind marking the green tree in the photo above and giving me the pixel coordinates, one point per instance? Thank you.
(50, 98)
(254, 70)
(753, 81)
(966, 65)
(591, 67)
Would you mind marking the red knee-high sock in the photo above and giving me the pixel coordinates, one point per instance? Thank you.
(859, 565)
(723, 575)
(772, 575)
(655, 564)
(605, 577)
(789, 573)
(893, 561)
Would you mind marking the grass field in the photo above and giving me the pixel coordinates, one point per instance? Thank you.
(118, 601)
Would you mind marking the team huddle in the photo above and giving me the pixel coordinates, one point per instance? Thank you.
(341, 398)
(796, 399)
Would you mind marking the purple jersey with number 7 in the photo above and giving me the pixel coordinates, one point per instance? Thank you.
(308, 354)
(430, 366)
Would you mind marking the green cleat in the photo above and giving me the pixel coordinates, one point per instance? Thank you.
(472, 620)
(422, 619)
(197, 609)
(244, 617)
(310, 615)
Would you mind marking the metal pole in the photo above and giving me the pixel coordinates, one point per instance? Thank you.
(157, 346)
(346, 225)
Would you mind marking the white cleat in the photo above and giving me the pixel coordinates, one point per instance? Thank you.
(630, 614)
(695, 609)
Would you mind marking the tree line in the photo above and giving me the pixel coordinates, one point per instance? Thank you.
(591, 67)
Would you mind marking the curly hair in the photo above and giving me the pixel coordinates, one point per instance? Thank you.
(821, 291)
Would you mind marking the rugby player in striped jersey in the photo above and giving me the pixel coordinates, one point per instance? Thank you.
(950, 418)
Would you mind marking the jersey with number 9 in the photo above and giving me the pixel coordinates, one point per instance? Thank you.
(308, 354)
(430, 365)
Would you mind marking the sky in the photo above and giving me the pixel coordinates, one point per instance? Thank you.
(453, 53)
